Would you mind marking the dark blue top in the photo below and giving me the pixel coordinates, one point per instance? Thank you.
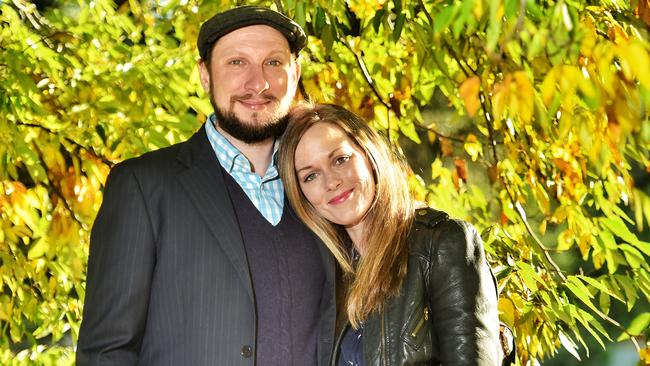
(351, 348)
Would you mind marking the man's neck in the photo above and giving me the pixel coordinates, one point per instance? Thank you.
(259, 154)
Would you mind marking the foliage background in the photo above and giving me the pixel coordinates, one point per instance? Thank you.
(528, 118)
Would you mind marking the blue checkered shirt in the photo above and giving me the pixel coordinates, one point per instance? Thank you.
(267, 193)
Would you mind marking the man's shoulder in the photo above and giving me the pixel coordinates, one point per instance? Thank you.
(167, 157)
(151, 159)
(154, 164)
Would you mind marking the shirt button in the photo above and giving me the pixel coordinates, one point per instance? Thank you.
(247, 351)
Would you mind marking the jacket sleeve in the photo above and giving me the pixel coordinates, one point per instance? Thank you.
(120, 267)
(463, 297)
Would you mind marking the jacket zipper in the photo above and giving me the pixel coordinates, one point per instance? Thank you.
(384, 359)
(420, 323)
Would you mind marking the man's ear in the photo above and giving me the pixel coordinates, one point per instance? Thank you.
(298, 69)
(204, 73)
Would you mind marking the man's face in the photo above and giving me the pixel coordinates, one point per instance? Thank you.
(252, 80)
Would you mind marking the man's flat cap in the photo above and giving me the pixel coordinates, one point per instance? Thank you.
(243, 16)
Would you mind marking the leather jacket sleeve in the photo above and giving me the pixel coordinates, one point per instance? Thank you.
(462, 296)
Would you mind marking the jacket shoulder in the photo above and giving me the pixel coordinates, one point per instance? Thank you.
(163, 156)
(429, 217)
(436, 232)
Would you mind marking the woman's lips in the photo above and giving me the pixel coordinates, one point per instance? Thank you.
(340, 198)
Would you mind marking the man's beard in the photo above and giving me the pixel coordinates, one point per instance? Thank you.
(249, 132)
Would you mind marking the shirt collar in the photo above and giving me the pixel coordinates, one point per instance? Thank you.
(230, 158)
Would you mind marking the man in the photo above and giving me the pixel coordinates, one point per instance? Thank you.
(195, 256)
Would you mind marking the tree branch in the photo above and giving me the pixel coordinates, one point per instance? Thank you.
(90, 151)
(426, 13)
(56, 191)
(439, 134)
(366, 75)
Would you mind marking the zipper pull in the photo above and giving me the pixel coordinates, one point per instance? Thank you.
(420, 323)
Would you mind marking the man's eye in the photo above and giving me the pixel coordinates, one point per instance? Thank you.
(236, 62)
(342, 159)
(274, 63)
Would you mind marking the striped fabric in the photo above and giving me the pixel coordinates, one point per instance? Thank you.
(267, 193)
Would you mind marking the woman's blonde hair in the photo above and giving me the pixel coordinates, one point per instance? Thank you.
(379, 273)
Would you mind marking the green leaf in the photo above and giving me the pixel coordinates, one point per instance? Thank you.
(398, 6)
(300, 17)
(629, 289)
(569, 345)
(640, 324)
(464, 16)
(327, 35)
(604, 302)
(408, 130)
(494, 25)
(378, 19)
(618, 227)
(399, 24)
(320, 20)
(443, 18)
(589, 322)
(529, 276)
(602, 287)
(511, 9)
(634, 258)
(580, 291)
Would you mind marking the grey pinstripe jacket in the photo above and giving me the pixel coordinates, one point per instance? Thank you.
(168, 280)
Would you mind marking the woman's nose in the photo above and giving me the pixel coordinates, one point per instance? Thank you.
(333, 182)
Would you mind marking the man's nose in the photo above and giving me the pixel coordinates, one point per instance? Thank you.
(257, 82)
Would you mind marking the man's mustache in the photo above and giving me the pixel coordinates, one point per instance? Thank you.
(244, 97)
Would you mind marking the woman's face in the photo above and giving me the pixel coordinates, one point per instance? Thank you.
(334, 175)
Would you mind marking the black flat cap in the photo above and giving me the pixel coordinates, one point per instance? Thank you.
(239, 17)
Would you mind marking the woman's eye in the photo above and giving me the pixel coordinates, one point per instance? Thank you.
(309, 177)
(341, 159)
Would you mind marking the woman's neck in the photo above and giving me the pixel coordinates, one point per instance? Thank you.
(356, 235)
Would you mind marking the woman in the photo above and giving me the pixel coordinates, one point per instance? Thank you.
(418, 290)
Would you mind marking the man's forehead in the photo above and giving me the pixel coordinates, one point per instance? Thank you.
(259, 37)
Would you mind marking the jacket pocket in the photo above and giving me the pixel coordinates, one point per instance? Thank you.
(417, 328)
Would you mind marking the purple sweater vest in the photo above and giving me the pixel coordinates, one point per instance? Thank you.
(288, 278)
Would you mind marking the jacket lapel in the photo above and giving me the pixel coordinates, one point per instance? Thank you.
(205, 185)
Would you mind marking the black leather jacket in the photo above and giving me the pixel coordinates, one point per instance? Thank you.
(446, 312)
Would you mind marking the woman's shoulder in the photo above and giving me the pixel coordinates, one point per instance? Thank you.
(435, 231)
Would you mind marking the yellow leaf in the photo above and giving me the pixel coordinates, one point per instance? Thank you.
(639, 61)
(473, 147)
(507, 311)
(501, 98)
(525, 95)
(590, 38)
(37, 249)
(548, 87)
(469, 91)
